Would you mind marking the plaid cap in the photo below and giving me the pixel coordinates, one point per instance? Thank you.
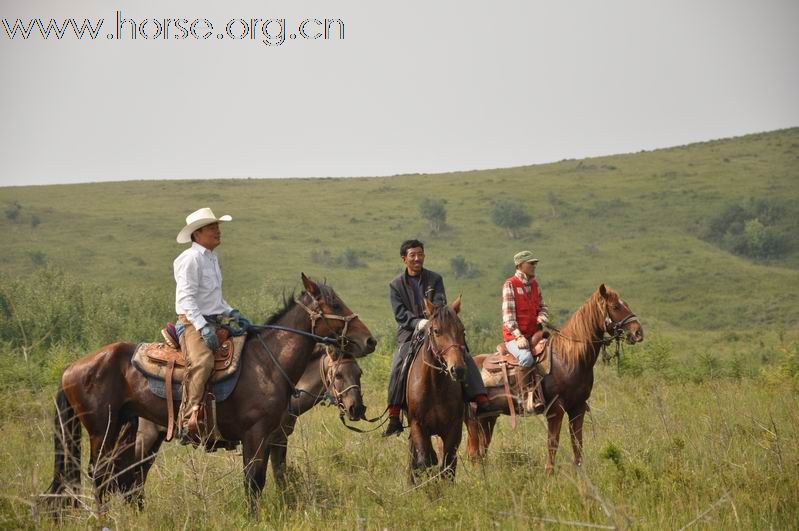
(524, 256)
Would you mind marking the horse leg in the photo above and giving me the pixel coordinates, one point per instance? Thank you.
(422, 455)
(449, 461)
(576, 418)
(554, 420)
(149, 438)
(103, 453)
(254, 451)
(66, 449)
(473, 439)
(486, 432)
(125, 461)
(278, 448)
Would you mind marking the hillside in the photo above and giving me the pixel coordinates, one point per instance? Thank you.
(637, 222)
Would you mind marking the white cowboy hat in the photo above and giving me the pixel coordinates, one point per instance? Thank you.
(197, 220)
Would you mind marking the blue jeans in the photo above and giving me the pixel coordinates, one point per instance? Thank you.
(524, 356)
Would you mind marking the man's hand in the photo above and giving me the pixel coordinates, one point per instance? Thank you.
(209, 336)
(522, 343)
(421, 323)
(542, 319)
(243, 322)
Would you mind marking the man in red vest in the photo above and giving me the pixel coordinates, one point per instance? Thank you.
(523, 313)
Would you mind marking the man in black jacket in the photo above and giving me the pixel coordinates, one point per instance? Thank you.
(407, 293)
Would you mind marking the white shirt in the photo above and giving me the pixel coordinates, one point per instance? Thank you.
(198, 282)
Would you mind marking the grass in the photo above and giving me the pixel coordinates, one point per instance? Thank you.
(695, 426)
(657, 455)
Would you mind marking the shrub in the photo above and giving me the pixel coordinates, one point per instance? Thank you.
(755, 228)
(349, 259)
(435, 212)
(461, 268)
(13, 212)
(511, 216)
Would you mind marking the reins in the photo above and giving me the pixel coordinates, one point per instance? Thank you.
(334, 397)
(314, 315)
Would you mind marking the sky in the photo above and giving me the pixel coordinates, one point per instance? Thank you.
(412, 87)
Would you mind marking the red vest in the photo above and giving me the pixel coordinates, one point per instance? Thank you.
(527, 307)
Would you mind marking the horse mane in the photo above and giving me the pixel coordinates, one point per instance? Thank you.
(289, 301)
(574, 341)
(288, 304)
(445, 315)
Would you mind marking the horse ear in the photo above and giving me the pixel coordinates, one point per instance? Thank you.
(310, 286)
(603, 291)
(428, 308)
(456, 306)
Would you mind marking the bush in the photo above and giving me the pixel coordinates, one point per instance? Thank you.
(13, 212)
(511, 216)
(463, 269)
(756, 228)
(435, 212)
(349, 259)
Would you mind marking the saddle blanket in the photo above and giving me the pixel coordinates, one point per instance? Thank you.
(153, 359)
(221, 389)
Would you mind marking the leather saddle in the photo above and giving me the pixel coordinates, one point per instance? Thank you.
(502, 358)
(167, 362)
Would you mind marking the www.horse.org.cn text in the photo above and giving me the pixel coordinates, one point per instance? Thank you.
(267, 31)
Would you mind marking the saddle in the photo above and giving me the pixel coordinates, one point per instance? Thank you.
(502, 369)
(165, 361)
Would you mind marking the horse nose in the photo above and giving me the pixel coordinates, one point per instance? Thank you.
(371, 344)
(357, 411)
(639, 334)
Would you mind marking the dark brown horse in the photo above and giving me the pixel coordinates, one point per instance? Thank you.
(567, 387)
(434, 394)
(327, 376)
(103, 391)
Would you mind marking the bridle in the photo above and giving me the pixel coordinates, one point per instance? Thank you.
(328, 376)
(438, 355)
(315, 313)
(616, 328)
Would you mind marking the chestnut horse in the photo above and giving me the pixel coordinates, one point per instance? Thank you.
(328, 375)
(103, 391)
(434, 393)
(567, 387)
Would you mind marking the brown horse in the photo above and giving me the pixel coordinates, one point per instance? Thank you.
(567, 387)
(327, 376)
(103, 391)
(434, 394)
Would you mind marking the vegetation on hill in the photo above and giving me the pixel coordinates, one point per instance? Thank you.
(695, 425)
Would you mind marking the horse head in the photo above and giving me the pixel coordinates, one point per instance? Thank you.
(447, 338)
(619, 319)
(331, 317)
(342, 378)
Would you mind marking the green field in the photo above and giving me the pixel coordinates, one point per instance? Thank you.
(700, 421)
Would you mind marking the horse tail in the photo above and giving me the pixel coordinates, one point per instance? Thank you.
(66, 443)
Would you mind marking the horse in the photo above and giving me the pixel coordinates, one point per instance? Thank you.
(328, 375)
(103, 391)
(434, 395)
(574, 351)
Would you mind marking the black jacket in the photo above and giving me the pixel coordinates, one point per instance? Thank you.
(405, 304)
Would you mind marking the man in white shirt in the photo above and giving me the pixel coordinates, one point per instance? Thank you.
(199, 303)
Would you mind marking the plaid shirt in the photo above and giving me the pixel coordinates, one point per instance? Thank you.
(509, 305)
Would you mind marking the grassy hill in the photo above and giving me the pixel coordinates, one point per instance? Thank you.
(633, 221)
(698, 425)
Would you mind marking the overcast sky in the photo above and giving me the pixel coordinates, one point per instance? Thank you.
(414, 86)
